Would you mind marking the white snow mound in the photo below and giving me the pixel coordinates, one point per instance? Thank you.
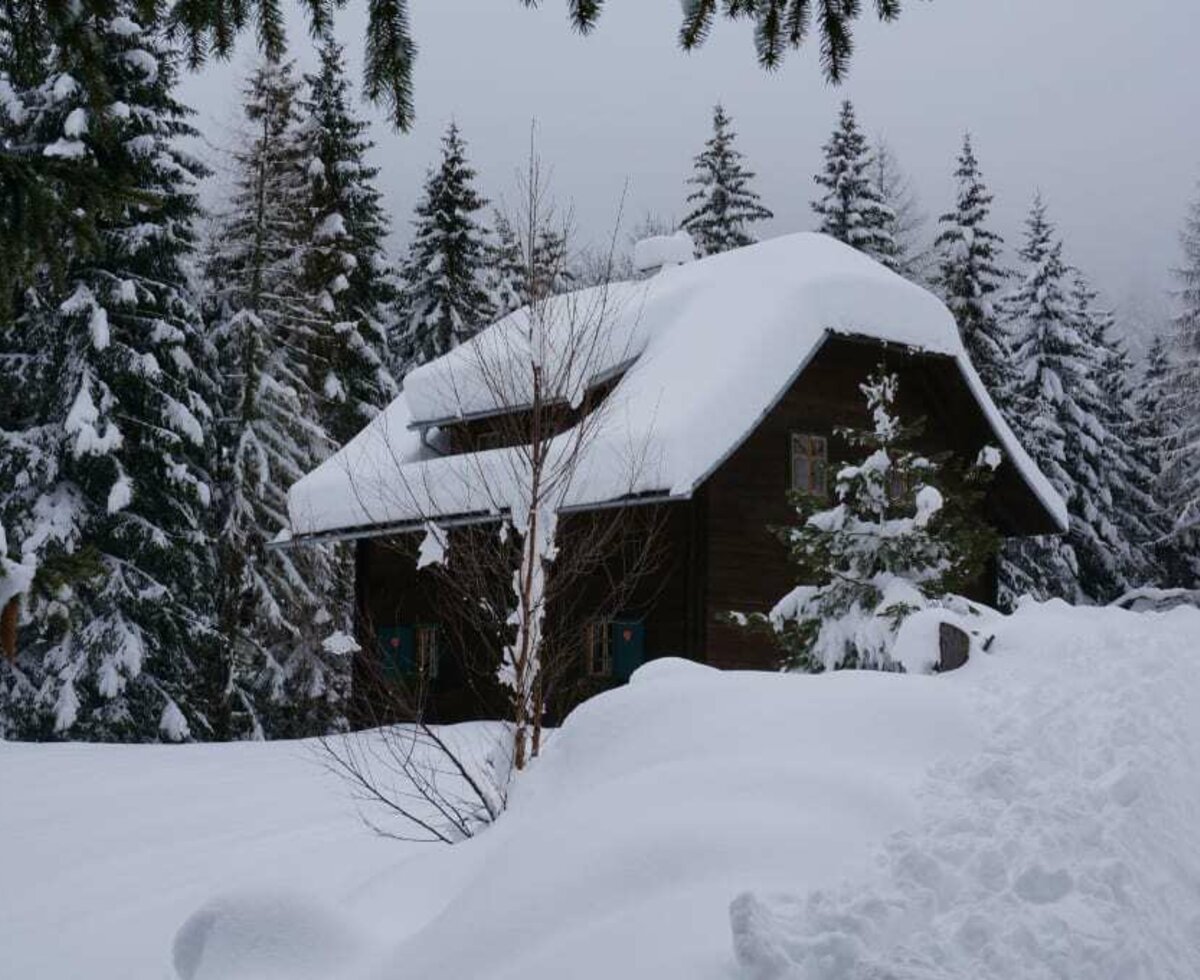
(1033, 815)
(263, 937)
(1067, 847)
(656, 803)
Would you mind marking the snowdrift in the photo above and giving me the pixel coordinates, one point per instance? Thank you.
(657, 803)
(1034, 815)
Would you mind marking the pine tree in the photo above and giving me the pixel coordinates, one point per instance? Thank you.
(1055, 408)
(267, 329)
(344, 268)
(506, 269)
(969, 278)
(1134, 482)
(723, 203)
(112, 451)
(552, 272)
(851, 208)
(1153, 435)
(52, 198)
(1111, 486)
(896, 540)
(443, 296)
(1181, 404)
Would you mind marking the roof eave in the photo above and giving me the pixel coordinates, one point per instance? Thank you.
(415, 525)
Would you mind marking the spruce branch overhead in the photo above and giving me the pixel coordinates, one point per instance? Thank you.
(201, 29)
(210, 27)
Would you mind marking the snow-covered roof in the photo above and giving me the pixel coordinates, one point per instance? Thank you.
(659, 251)
(706, 349)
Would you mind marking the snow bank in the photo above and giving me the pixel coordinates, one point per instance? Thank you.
(786, 295)
(1151, 599)
(1066, 847)
(264, 937)
(658, 802)
(1032, 815)
(106, 850)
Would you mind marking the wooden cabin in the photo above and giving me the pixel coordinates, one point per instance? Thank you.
(735, 372)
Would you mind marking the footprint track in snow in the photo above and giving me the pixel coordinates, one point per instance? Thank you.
(1066, 848)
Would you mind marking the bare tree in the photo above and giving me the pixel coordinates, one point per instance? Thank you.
(524, 547)
(914, 255)
(438, 785)
(544, 379)
(596, 266)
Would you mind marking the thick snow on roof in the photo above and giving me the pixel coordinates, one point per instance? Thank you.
(661, 251)
(710, 346)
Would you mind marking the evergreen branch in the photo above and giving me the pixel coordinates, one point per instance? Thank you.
(391, 54)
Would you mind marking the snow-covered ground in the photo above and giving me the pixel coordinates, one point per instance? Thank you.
(1036, 814)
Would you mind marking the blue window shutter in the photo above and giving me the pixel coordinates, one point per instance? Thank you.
(628, 648)
(397, 645)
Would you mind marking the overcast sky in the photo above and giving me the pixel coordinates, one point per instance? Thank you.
(1095, 102)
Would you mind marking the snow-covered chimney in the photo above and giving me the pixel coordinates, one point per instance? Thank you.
(662, 251)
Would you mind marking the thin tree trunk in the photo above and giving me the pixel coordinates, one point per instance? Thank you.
(8, 627)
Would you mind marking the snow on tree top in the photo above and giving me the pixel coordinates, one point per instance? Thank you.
(690, 390)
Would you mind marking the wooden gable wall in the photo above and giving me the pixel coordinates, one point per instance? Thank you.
(746, 565)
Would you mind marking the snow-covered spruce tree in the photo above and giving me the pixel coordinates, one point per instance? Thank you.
(1131, 472)
(51, 200)
(275, 606)
(1111, 528)
(1139, 511)
(851, 208)
(969, 278)
(896, 540)
(1153, 435)
(504, 275)
(723, 205)
(552, 273)
(913, 258)
(111, 455)
(1181, 404)
(344, 264)
(443, 298)
(1053, 406)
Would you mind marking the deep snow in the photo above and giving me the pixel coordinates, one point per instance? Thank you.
(1036, 814)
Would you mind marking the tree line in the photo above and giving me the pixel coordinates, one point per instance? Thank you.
(169, 374)
(1117, 441)
(174, 372)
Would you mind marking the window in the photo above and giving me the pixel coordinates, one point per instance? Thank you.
(597, 646)
(427, 651)
(408, 651)
(489, 439)
(810, 456)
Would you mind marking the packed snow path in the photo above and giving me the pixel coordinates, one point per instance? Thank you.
(1068, 847)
